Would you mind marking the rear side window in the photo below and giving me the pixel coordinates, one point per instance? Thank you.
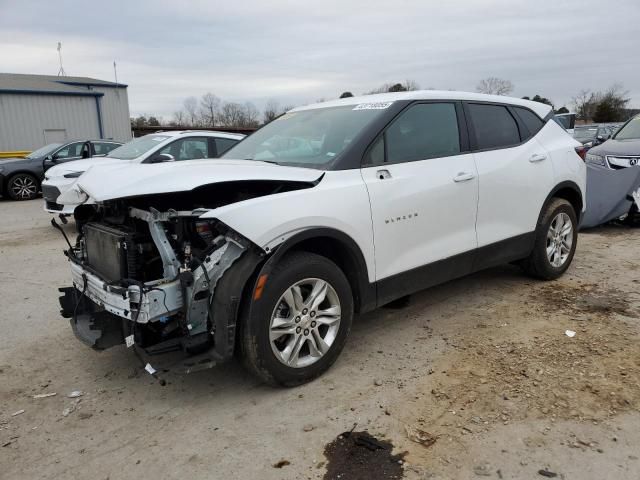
(530, 120)
(494, 126)
(224, 144)
(428, 130)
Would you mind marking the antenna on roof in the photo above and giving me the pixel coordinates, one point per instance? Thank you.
(115, 71)
(61, 72)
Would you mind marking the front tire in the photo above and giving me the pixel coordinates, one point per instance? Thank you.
(23, 186)
(555, 243)
(299, 325)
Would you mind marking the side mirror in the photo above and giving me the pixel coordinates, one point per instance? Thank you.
(49, 158)
(163, 157)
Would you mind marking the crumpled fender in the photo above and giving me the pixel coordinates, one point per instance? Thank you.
(609, 193)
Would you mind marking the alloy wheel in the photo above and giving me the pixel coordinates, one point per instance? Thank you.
(24, 187)
(559, 240)
(305, 322)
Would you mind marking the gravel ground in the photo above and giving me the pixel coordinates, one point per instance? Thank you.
(473, 379)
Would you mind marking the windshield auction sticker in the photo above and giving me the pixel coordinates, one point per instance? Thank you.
(373, 106)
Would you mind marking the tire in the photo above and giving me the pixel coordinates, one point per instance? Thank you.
(551, 264)
(286, 306)
(23, 186)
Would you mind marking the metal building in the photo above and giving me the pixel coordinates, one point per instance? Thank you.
(36, 110)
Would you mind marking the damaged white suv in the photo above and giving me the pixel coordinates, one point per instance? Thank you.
(331, 210)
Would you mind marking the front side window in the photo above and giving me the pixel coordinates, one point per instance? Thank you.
(312, 138)
(73, 150)
(190, 148)
(137, 147)
(428, 130)
(494, 126)
(630, 131)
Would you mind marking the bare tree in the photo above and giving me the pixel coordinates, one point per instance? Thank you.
(232, 114)
(191, 111)
(209, 109)
(271, 111)
(585, 103)
(251, 115)
(495, 86)
(178, 118)
(407, 86)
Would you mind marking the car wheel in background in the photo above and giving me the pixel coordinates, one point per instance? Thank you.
(556, 240)
(23, 186)
(299, 325)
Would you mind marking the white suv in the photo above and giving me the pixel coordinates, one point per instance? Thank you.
(331, 210)
(153, 148)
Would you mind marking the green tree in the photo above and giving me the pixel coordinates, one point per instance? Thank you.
(562, 110)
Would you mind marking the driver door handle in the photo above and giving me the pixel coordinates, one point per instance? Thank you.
(463, 177)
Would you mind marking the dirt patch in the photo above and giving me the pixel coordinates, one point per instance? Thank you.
(584, 298)
(360, 456)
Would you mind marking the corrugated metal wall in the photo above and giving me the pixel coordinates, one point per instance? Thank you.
(116, 123)
(24, 119)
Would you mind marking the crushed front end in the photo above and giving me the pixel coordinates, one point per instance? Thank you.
(158, 281)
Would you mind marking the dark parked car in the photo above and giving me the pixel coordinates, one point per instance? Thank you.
(592, 135)
(20, 177)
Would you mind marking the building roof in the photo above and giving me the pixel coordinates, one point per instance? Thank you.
(52, 85)
(383, 98)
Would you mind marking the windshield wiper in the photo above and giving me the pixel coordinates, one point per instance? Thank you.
(265, 161)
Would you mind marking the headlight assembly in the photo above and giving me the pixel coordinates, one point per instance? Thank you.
(595, 159)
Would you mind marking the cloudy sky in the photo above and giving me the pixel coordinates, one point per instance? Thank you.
(299, 52)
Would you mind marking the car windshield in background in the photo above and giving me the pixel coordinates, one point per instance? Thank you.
(43, 151)
(137, 147)
(631, 131)
(585, 132)
(307, 138)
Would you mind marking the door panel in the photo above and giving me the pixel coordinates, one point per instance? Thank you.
(514, 183)
(422, 211)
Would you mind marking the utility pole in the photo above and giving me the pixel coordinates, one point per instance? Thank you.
(61, 72)
(115, 71)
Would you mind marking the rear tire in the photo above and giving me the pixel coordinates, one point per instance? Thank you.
(22, 186)
(555, 243)
(299, 325)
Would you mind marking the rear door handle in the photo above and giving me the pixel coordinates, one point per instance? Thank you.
(383, 174)
(463, 177)
(537, 157)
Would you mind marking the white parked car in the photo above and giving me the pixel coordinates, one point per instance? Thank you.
(331, 210)
(153, 148)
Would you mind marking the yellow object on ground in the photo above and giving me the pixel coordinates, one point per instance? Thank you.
(20, 153)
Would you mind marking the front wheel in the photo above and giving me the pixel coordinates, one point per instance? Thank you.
(555, 243)
(23, 186)
(299, 325)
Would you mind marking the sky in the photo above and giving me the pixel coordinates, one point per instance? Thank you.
(299, 52)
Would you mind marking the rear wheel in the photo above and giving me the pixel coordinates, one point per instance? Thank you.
(556, 240)
(23, 186)
(298, 327)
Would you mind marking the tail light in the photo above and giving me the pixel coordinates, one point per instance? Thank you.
(582, 151)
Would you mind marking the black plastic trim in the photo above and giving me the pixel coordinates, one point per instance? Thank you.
(364, 293)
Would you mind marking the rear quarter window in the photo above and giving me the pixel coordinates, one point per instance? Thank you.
(530, 120)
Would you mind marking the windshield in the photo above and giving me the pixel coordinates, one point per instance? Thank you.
(41, 152)
(137, 147)
(630, 131)
(585, 132)
(308, 138)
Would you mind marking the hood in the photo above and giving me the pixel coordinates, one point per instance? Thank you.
(618, 147)
(110, 182)
(82, 165)
(18, 161)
